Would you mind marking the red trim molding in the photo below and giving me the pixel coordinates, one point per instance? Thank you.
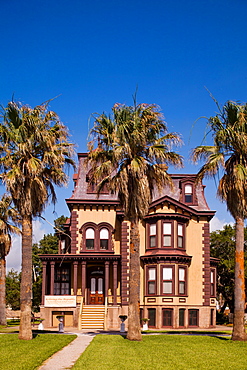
(74, 231)
(125, 262)
(206, 264)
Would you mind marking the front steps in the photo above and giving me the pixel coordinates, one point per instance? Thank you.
(92, 317)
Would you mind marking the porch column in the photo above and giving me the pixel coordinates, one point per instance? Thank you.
(115, 264)
(75, 267)
(44, 264)
(106, 278)
(83, 278)
(52, 278)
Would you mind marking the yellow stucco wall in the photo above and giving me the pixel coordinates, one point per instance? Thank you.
(97, 216)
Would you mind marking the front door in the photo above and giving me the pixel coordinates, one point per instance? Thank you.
(96, 290)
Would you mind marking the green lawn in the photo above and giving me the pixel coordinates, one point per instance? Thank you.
(18, 354)
(163, 352)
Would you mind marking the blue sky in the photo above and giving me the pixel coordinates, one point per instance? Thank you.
(94, 53)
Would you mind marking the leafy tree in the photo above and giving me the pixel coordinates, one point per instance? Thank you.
(47, 245)
(229, 154)
(8, 226)
(13, 282)
(34, 151)
(223, 247)
(59, 224)
(132, 154)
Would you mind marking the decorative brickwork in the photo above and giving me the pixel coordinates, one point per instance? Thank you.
(125, 263)
(74, 231)
(206, 264)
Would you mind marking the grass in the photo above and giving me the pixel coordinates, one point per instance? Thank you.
(196, 332)
(8, 329)
(175, 352)
(18, 354)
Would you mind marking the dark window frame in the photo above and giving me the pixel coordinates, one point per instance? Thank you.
(193, 317)
(149, 235)
(150, 321)
(170, 310)
(101, 239)
(213, 283)
(172, 281)
(97, 244)
(183, 236)
(183, 310)
(193, 194)
(62, 275)
(171, 235)
(148, 281)
(212, 314)
(185, 268)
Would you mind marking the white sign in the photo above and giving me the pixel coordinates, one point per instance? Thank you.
(60, 301)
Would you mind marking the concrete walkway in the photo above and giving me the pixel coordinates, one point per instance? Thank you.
(66, 358)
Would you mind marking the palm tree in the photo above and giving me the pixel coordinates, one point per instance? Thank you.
(229, 154)
(131, 157)
(34, 151)
(7, 215)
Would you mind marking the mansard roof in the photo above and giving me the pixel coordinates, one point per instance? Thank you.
(173, 195)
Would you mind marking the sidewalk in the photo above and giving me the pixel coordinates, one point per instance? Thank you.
(66, 358)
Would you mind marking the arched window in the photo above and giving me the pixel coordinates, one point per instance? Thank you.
(100, 285)
(104, 238)
(96, 237)
(90, 236)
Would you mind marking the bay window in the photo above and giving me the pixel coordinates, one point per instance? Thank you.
(180, 231)
(152, 235)
(182, 281)
(151, 280)
(167, 285)
(167, 234)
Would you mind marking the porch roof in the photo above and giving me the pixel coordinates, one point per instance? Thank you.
(79, 257)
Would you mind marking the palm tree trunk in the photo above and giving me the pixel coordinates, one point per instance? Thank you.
(134, 330)
(3, 320)
(239, 287)
(26, 280)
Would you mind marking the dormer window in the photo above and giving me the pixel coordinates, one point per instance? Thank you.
(188, 193)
